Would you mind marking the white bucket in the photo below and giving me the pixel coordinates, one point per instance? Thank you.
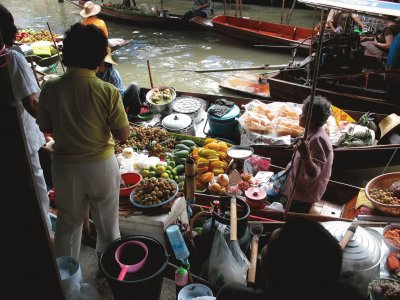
(70, 274)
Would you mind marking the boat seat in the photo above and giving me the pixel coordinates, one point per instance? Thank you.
(326, 208)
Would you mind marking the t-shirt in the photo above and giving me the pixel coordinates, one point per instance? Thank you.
(98, 22)
(112, 76)
(310, 189)
(24, 84)
(198, 3)
(80, 109)
(392, 29)
(393, 58)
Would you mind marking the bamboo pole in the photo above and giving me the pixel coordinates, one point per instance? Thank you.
(311, 44)
(55, 46)
(151, 79)
(289, 15)
(190, 185)
(309, 112)
(240, 8)
(283, 8)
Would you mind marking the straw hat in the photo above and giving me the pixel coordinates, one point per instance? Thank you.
(389, 124)
(108, 58)
(90, 9)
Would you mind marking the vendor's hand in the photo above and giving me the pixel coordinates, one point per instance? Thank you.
(304, 149)
(375, 42)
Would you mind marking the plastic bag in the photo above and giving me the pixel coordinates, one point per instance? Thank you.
(223, 267)
(278, 181)
(256, 163)
(88, 292)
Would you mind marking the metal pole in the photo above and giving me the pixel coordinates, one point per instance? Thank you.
(289, 15)
(309, 112)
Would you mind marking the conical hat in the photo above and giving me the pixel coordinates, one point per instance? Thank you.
(90, 9)
(389, 124)
(108, 58)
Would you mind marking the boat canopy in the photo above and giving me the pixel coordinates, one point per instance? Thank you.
(370, 7)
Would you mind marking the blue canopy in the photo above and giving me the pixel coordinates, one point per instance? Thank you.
(370, 7)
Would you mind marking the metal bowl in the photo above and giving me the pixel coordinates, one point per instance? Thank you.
(164, 108)
(388, 243)
(383, 181)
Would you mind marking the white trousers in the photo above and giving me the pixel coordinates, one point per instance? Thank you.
(78, 187)
(41, 188)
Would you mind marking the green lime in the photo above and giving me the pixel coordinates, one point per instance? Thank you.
(173, 172)
(161, 169)
(169, 168)
(152, 174)
(171, 164)
(165, 175)
(177, 179)
(168, 172)
(152, 168)
(145, 173)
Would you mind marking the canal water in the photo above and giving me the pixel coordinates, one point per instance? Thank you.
(168, 51)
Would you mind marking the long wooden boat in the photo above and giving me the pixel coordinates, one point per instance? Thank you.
(260, 32)
(376, 156)
(365, 93)
(136, 17)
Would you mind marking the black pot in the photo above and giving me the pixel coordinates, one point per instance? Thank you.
(211, 226)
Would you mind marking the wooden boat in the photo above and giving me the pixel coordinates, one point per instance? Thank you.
(259, 32)
(365, 93)
(248, 84)
(376, 156)
(136, 17)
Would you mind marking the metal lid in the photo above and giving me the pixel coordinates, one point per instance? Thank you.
(255, 193)
(363, 251)
(233, 113)
(186, 105)
(177, 121)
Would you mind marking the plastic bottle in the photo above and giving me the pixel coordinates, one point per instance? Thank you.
(181, 279)
(177, 243)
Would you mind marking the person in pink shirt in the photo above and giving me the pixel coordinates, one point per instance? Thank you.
(316, 154)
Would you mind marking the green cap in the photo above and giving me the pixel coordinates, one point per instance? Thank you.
(181, 271)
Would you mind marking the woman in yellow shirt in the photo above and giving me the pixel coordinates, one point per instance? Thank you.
(89, 12)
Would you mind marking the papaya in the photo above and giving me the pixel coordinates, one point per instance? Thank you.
(179, 169)
(207, 152)
(213, 158)
(216, 164)
(202, 162)
(218, 171)
(213, 146)
(207, 177)
(202, 170)
(210, 140)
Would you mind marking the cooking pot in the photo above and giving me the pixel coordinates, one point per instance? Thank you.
(256, 197)
(179, 123)
(164, 108)
(191, 106)
(361, 256)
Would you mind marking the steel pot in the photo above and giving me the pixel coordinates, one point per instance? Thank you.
(179, 123)
(164, 108)
(191, 106)
(361, 257)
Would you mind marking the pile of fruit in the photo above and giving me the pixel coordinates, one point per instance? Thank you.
(30, 36)
(152, 191)
(155, 140)
(175, 164)
(211, 160)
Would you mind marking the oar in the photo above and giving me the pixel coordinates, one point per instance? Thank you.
(265, 67)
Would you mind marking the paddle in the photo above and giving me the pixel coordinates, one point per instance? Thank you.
(265, 67)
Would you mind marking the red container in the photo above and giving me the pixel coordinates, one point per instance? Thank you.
(130, 178)
(256, 197)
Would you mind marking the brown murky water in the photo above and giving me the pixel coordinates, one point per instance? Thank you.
(168, 51)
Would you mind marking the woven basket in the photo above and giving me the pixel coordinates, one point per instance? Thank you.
(383, 181)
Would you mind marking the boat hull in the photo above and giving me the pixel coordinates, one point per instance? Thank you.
(282, 89)
(264, 33)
